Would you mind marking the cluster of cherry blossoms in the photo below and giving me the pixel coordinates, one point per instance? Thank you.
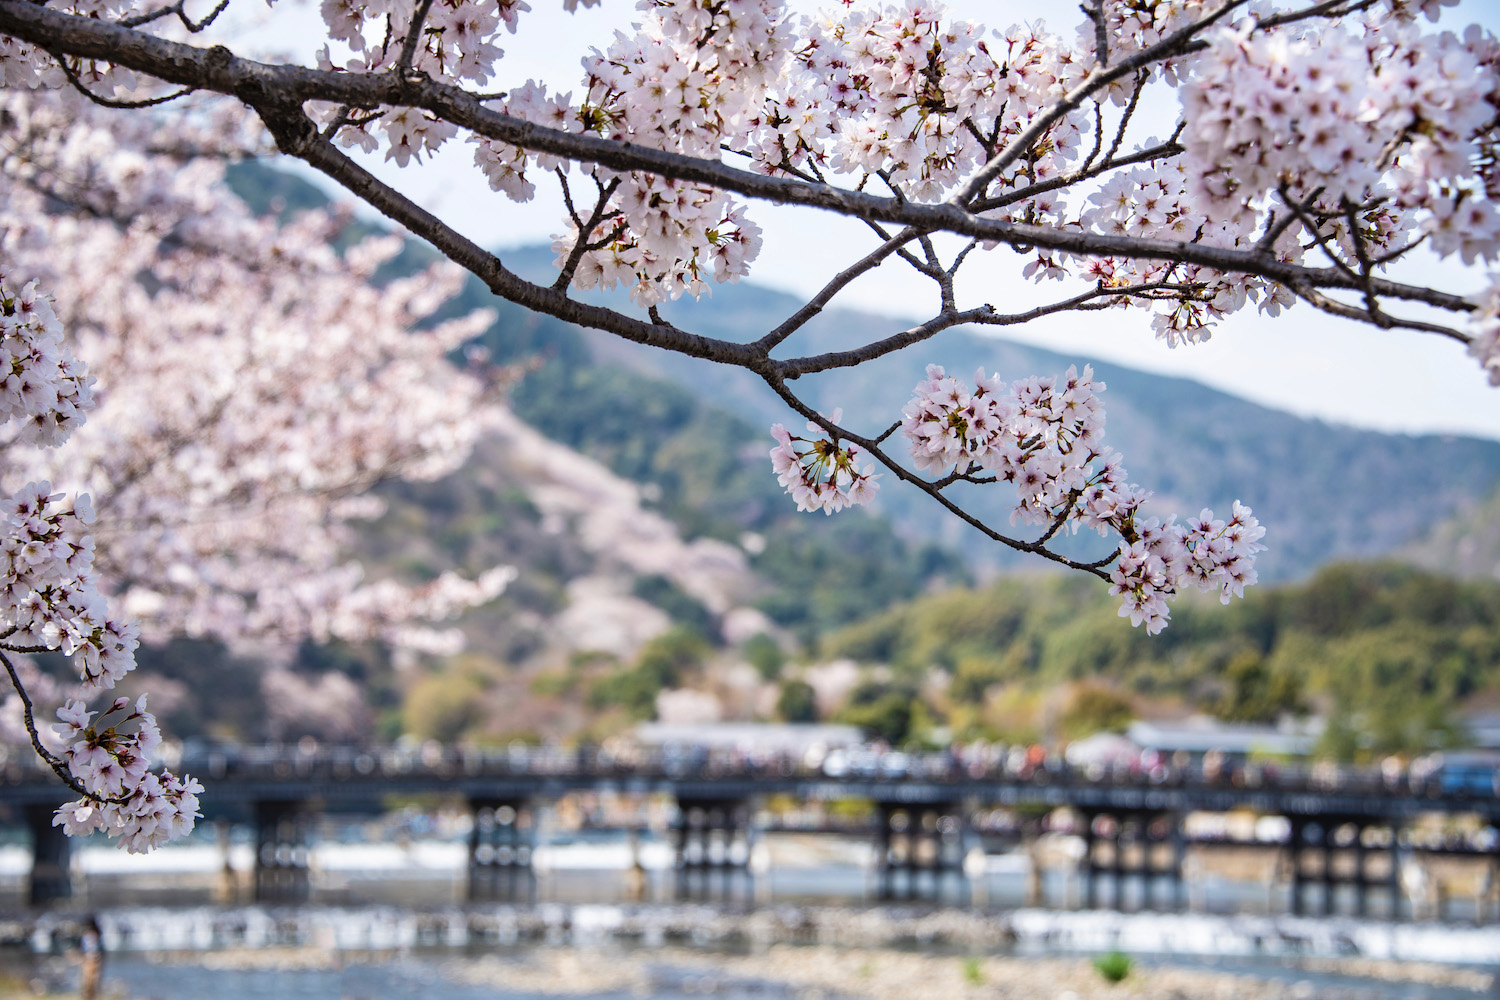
(685, 83)
(44, 387)
(1345, 121)
(1164, 558)
(50, 600)
(1484, 329)
(1043, 436)
(127, 800)
(820, 472)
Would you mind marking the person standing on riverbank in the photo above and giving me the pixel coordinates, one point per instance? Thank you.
(91, 943)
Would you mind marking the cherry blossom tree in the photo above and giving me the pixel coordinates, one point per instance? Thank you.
(250, 393)
(1318, 145)
(227, 453)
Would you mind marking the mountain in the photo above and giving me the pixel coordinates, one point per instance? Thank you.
(1325, 492)
(657, 552)
(1466, 545)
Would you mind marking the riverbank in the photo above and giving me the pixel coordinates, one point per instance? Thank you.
(790, 972)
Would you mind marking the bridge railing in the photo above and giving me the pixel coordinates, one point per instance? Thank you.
(356, 763)
(862, 765)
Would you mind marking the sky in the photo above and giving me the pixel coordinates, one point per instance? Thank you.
(1305, 361)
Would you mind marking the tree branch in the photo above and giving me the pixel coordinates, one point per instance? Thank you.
(58, 766)
(872, 446)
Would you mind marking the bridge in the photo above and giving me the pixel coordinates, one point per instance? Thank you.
(1346, 827)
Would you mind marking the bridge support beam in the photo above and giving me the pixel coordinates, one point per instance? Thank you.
(711, 842)
(51, 880)
(281, 851)
(919, 849)
(1133, 844)
(502, 844)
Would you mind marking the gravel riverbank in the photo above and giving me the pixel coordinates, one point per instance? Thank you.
(795, 972)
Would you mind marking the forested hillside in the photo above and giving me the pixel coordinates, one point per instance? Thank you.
(1386, 652)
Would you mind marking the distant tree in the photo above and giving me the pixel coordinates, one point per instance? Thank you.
(765, 655)
(884, 711)
(1094, 708)
(662, 663)
(1255, 693)
(798, 702)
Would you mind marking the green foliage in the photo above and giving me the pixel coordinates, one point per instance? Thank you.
(1385, 650)
(662, 663)
(1256, 693)
(680, 606)
(883, 710)
(444, 705)
(976, 673)
(1114, 966)
(1096, 709)
(797, 702)
(765, 655)
(974, 970)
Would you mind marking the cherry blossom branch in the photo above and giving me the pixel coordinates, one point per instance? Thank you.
(815, 305)
(873, 448)
(984, 315)
(109, 102)
(269, 88)
(296, 136)
(1097, 80)
(409, 45)
(1156, 152)
(180, 11)
(28, 716)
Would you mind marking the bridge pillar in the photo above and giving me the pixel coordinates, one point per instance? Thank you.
(711, 844)
(501, 846)
(919, 849)
(1135, 841)
(281, 851)
(1318, 836)
(51, 880)
(1295, 840)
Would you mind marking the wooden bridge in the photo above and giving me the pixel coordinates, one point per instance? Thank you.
(1347, 827)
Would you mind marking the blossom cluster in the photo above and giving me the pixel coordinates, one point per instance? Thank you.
(142, 809)
(1042, 435)
(43, 386)
(1484, 330)
(1165, 558)
(820, 472)
(685, 82)
(49, 597)
(50, 600)
(1378, 115)
(1045, 437)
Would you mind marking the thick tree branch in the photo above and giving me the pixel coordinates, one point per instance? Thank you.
(296, 136)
